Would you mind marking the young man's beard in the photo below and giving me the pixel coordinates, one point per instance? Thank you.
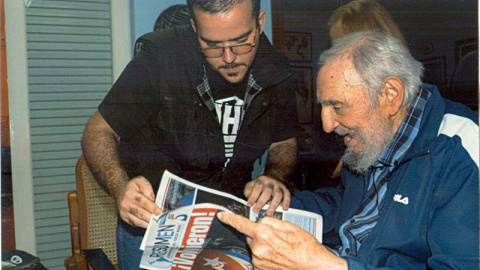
(375, 140)
(231, 66)
(235, 74)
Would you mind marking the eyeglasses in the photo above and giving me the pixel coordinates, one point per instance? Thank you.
(238, 49)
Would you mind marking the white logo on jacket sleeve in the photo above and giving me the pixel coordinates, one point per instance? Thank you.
(398, 198)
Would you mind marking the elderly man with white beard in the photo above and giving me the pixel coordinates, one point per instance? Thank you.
(408, 195)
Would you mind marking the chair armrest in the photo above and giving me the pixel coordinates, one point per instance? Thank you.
(97, 259)
(76, 262)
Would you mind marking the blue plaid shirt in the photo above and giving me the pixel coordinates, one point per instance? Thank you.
(356, 229)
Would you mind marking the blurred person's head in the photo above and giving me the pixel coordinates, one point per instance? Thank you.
(172, 16)
(228, 34)
(362, 15)
(366, 83)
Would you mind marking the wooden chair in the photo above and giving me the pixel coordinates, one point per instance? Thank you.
(93, 221)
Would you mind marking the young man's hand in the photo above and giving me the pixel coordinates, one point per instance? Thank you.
(136, 203)
(270, 188)
(265, 190)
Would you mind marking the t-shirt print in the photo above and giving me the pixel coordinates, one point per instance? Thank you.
(229, 113)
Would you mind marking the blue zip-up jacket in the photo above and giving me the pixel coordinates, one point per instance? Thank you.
(430, 216)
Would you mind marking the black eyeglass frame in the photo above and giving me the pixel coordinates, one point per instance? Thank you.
(231, 47)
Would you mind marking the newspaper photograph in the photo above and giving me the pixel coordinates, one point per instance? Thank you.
(189, 236)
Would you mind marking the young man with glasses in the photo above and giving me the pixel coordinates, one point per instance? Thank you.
(204, 102)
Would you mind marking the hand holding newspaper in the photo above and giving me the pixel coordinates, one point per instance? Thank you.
(189, 236)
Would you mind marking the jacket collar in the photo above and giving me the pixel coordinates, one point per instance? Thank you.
(431, 120)
(270, 65)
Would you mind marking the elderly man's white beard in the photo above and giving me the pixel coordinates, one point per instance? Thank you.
(375, 140)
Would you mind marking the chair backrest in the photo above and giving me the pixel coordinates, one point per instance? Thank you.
(464, 82)
(97, 213)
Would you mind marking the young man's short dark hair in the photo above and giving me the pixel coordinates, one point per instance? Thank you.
(218, 6)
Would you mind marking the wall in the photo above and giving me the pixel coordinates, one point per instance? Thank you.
(145, 13)
(430, 27)
(5, 135)
(8, 231)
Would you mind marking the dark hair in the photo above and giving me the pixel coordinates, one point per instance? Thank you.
(173, 15)
(220, 6)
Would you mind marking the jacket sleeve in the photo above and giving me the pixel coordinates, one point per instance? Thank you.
(356, 264)
(453, 228)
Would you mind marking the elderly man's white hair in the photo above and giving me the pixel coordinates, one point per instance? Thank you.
(377, 55)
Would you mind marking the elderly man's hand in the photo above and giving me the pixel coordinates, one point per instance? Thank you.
(136, 202)
(277, 244)
(265, 190)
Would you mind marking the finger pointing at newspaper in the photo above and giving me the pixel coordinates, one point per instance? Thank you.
(277, 244)
(137, 202)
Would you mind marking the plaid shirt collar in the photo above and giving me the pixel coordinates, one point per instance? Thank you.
(406, 133)
(205, 93)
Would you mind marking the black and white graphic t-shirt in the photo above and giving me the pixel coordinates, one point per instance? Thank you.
(228, 105)
(229, 113)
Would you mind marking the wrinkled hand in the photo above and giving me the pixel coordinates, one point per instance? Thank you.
(265, 190)
(277, 244)
(136, 202)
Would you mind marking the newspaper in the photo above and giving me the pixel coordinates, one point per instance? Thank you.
(189, 236)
